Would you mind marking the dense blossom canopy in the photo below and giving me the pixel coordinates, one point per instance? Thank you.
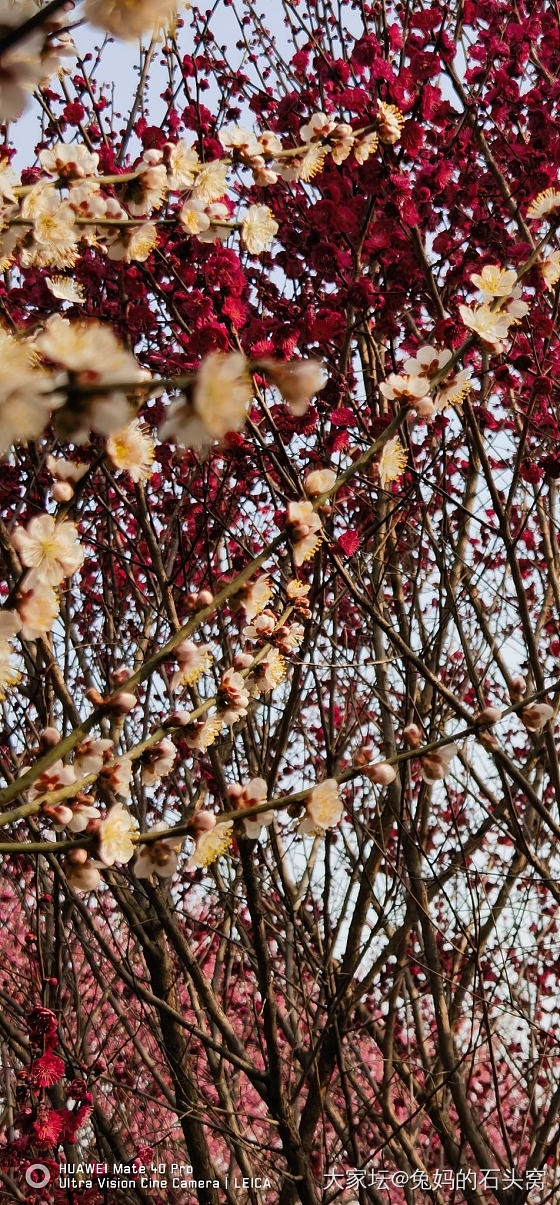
(280, 602)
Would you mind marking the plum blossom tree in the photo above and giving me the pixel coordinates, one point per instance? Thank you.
(280, 617)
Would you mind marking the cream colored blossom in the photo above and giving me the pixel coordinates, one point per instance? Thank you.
(491, 326)
(494, 281)
(10, 624)
(134, 245)
(342, 142)
(9, 180)
(297, 380)
(115, 836)
(130, 18)
(267, 674)
(323, 809)
(310, 165)
(404, 388)
(194, 660)
(65, 289)
(210, 844)
(453, 389)
(182, 163)
(544, 205)
(50, 550)
(435, 766)
(118, 775)
(222, 393)
(27, 395)
(23, 67)
(258, 229)
(232, 699)
(92, 349)
(319, 481)
(83, 877)
(193, 217)
(69, 161)
(211, 181)
(318, 127)
(148, 188)
(255, 596)
(427, 362)
(38, 610)
(202, 733)
(157, 857)
(365, 147)
(390, 122)
(158, 761)
(392, 462)
(304, 530)
(550, 268)
(132, 450)
(236, 139)
(9, 675)
(252, 794)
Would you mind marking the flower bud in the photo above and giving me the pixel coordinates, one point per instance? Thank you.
(120, 676)
(177, 719)
(62, 491)
(488, 715)
(381, 773)
(413, 736)
(424, 407)
(517, 688)
(202, 822)
(49, 737)
(78, 857)
(83, 878)
(121, 703)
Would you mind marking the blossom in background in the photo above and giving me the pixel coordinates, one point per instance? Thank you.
(304, 530)
(494, 281)
(392, 462)
(491, 326)
(9, 675)
(297, 380)
(390, 122)
(319, 482)
(38, 609)
(258, 229)
(251, 795)
(118, 775)
(550, 268)
(27, 394)
(232, 699)
(536, 715)
(66, 474)
(31, 60)
(210, 840)
(255, 596)
(89, 755)
(194, 660)
(435, 766)
(157, 857)
(50, 550)
(323, 809)
(65, 289)
(69, 161)
(546, 204)
(132, 450)
(158, 761)
(130, 18)
(115, 836)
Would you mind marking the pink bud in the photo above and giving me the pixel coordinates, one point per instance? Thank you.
(177, 719)
(363, 755)
(78, 857)
(205, 598)
(122, 702)
(381, 773)
(488, 715)
(412, 735)
(62, 491)
(202, 822)
(49, 737)
(517, 688)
